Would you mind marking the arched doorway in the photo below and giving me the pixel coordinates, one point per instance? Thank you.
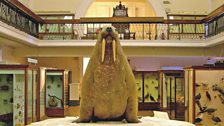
(104, 8)
(155, 5)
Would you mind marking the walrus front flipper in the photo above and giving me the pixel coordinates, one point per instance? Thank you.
(131, 112)
(132, 103)
(86, 112)
(86, 102)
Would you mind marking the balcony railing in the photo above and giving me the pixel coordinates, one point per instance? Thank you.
(137, 28)
(22, 19)
(141, 28)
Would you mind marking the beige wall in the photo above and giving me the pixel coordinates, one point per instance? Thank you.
(136, 8)
(55, 6)
(217, 3)
(8, 56)
(73, 6)
(27, 3)
(187, 6)
(70, 63)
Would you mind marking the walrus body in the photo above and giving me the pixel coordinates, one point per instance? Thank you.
(109, 90)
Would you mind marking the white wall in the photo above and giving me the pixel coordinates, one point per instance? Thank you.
(155, 63)
(55, 6)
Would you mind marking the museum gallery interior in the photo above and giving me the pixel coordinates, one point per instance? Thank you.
(111, 62)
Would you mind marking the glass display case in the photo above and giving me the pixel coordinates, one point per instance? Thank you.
(173, 92)
(148, 89)
(17, 94)
(206, 95)
(53, 92)
(139, 82)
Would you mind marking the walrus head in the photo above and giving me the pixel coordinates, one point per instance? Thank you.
(108, 40)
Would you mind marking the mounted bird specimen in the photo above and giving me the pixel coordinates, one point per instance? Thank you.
(146, 96)
(216, 119)
(198, 97)
(221, 98)
(208, 96)
(198, 120)
(197, 85)
(211, 110)
(202, 109)
(152, 98)
(139, 88)
(204, 84)
(156, 87)
(146, 86)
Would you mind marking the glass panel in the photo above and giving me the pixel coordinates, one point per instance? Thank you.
(180, 109)
(151, 87)
(34, 95)
(18, 96)
(54, 90)
(12, 94)
(30, 99)
(188, 28)
(172, 89)
(174, 28)
(200, 28)
(138, 79)
(170, 82)
(6, 98)
(167, 83)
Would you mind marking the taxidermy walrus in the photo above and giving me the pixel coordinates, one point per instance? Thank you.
(109, 89)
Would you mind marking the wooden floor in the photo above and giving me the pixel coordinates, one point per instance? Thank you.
(74, 111)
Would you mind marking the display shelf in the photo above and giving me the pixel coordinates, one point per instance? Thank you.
(148, 89)
(205, 94)
(53, 92)
(173, 93)
(17, 93)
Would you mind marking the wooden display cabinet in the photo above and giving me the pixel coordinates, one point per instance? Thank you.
(148, 89)
(122, 28)
(205, 94)
(53, 92)
(173, 93)
(18, 85)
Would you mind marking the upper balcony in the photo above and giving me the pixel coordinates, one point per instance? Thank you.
(64, 30)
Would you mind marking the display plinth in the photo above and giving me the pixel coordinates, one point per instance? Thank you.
(55, 112)
(145, 121)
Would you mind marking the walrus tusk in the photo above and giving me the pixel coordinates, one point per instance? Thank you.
(114, 49)
(103, 49)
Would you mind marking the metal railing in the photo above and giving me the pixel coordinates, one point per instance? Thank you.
(14, 16)
(215, 26)
(136, 30)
